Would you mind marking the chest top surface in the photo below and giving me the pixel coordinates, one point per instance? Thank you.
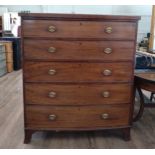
(78, 16)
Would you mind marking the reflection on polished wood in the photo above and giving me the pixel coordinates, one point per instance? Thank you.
(144, 81)
(150, 76)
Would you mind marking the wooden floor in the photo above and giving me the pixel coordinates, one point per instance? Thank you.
(12, 133)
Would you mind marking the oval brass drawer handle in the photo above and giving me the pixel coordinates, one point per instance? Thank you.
(107, 72)
(52, 49)
(108, 29)
(105, 116)
(51, 28)
(108, 50)
(52, 117)
(52, 72)
(52, 94)
(106, 94)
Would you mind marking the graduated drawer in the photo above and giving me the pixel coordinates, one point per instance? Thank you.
(81, 94)
(78, 50)
(61, 117)
(77, 72)
(79, 29)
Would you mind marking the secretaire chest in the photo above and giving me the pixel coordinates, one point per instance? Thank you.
(78, 72)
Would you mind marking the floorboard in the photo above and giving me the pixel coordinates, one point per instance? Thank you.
(12, 130)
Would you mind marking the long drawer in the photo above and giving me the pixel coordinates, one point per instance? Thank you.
(77, 72)
(78, 50)
(79, 29)
(63, 117)
(84, 94)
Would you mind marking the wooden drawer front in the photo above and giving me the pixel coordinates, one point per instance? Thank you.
(78, 50)
(54, 94)
(79, 29)
(76, 117)
(77, 72)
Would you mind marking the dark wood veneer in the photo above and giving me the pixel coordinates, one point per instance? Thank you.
(77, 72)
(85, 17)
(77, 29)
(78, 50)
(81, 94)
(76, 117)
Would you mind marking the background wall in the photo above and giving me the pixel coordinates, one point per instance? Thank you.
(140, 10)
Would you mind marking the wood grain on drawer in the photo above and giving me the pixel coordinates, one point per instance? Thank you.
(78, 50)
(77, 72)
(81, 94)
(79, 29)
(76, 117)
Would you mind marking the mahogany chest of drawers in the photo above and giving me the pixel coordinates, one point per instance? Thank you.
(78, 72)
